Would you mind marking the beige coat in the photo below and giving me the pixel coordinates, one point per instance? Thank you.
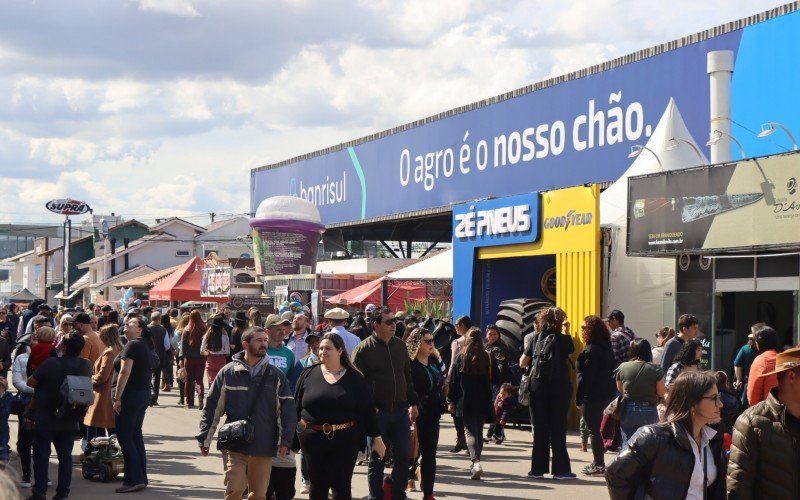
(101, 413)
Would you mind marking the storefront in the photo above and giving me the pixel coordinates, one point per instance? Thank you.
(735, 230)
(538, 245)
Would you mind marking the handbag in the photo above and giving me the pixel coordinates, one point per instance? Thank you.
(240, 433)
(617, 405)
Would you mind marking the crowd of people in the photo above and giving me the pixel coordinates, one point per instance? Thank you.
(276, 392)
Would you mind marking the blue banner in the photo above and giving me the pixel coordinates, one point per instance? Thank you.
(575, 132)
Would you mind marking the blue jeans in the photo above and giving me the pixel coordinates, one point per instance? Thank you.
(62, 441)
(4, 437)
(637, 414)
(129, 435)
(395, 428)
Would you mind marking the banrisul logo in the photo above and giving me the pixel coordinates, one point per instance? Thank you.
(330, 192)
(792, 185)
(333, 191)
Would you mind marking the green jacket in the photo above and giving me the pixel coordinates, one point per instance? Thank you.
(387, 368)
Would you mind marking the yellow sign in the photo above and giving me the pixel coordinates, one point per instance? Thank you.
(570, 223)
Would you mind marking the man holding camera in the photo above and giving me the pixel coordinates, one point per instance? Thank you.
(254, 395)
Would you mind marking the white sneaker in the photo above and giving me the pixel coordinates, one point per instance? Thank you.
(25, 484)
(306, 487)
(476, 470)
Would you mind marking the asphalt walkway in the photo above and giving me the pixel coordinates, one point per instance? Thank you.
(177, 470)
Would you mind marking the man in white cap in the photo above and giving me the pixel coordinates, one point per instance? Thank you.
(337, 317)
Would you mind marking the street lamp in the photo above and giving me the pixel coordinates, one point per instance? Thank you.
(637, 149)
(718, 134)
(675, 142)
(768, 128)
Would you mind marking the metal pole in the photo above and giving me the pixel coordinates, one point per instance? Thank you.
(67, 241)
(720, 72)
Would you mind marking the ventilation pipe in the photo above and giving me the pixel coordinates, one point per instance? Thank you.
(720, 72)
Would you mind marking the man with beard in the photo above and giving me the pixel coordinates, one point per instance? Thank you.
(250, 388)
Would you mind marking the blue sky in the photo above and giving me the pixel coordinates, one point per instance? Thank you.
(153, 108)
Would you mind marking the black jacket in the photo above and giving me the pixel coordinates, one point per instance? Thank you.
(595, 369)
(502, 357)
(472, 394)
(387, 368)
(659, 462)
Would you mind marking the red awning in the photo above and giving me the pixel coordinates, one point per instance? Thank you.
(370, 293)
(183, 285)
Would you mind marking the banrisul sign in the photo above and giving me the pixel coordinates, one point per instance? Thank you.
(68, 206)
(579, 130)
(503, 221)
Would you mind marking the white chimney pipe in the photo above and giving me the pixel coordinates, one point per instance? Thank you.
(720, 72)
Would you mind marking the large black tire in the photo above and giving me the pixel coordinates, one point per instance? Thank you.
(85, 472)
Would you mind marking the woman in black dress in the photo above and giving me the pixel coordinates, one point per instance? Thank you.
(426, 373)
(335, 414)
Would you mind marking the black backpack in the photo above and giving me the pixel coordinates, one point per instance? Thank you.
(546, 357)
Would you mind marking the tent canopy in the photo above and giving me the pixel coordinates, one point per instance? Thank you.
(183, 284)
(370, 293)
(436, 267)
(23, 296)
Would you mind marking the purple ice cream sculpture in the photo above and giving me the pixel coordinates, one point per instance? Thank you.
(286, 231)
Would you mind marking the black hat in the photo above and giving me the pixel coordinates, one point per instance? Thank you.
(617, 315)
(83, 318)
(240, 317)
(312, 336)
(133, 311)
(218, 321)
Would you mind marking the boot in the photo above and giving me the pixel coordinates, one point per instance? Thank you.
(461, 445)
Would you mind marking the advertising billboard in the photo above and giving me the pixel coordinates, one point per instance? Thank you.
(741, 205)
(215, 281)
(569, 131)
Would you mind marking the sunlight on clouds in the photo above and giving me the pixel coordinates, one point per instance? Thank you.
(183, 8)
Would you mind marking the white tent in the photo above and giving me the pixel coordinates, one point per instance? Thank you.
(437, 267)
(644, 287)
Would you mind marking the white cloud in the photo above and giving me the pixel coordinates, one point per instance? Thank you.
(182, 8)
(161, 107)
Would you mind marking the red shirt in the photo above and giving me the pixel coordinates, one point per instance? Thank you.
(758, 386)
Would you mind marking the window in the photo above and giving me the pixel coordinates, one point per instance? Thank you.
(182, 253)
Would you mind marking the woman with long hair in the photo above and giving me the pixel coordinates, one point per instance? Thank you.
(687, 359)
(681, 458)
(470, 393)
(193, 359)
(595, 370)
(167, 375)
(180, 373)
(335, 413)
(100, 416)
(131, 400)
(642, 382)
(662, 336)
(255, 317)
(547, 355)
(428, 379)
(216, 347)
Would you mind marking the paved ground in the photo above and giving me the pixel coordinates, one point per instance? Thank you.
(177, 470)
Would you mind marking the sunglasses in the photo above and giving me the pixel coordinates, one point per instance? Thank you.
(428, 341)
(391, 321)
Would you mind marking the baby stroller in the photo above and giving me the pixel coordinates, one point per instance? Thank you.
(105, 462)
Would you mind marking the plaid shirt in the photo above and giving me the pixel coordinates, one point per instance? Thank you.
(621, 339)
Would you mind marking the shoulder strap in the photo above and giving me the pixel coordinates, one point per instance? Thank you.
(639, 372)
(258, 390)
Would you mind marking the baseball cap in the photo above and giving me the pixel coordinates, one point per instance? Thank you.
(275, 320)
(617, 315)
